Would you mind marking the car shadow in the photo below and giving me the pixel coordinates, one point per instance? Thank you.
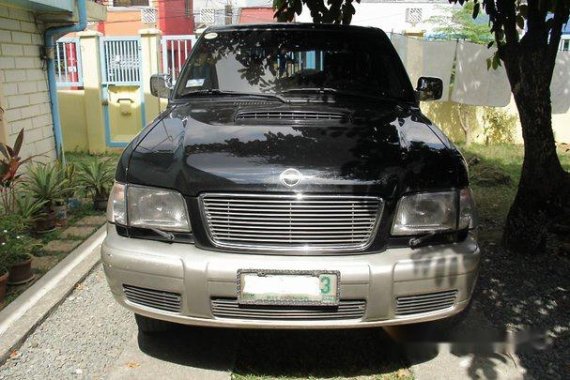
(198, 347)
(319, 353)
(281, 353)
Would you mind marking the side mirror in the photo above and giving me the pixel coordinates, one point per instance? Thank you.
(161, 85)
(429, 88)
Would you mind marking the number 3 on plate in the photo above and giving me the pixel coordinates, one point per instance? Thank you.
(325, 285)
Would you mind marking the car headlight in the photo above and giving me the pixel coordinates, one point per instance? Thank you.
(434, 212)
(147, 207)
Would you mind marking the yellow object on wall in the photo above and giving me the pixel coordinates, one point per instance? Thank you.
(125, 117)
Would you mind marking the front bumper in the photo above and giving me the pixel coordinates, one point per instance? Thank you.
(200, 276)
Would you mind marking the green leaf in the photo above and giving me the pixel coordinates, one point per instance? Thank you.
(520, 22)
(523, 10)
(297, 6)
(476, 8)
(277, 4)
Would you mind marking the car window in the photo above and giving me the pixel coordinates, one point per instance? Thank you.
(277, 61)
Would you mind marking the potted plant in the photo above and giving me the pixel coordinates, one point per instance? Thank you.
(44, 183)
(29, 209)
(15, 247)
(10, 163)
(3, 277)
(68, 171)
(96, 177)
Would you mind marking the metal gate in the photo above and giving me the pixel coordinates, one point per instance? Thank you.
(68, 65)
(122, 90)
(175, 51)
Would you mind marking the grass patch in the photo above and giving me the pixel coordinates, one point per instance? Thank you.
(494, 173)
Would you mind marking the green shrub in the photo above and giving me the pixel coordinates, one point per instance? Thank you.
(499, 126)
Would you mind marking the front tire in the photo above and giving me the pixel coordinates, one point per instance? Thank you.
(151, 326)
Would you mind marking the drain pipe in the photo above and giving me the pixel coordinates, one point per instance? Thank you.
(50, 37)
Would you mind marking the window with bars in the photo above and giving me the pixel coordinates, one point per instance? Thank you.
(414, 16)
(565, 44)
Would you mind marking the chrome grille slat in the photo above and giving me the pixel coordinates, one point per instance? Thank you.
(299, 221)
(301, 227)
(290, 115)
(297, 213)
(291, 222)
(424, 303)
(229, 308)
(157, 299)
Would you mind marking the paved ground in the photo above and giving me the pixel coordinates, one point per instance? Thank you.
(90, 337)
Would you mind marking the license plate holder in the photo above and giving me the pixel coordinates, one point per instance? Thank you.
(288, 287)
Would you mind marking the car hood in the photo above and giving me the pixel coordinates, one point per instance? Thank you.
(384, 149)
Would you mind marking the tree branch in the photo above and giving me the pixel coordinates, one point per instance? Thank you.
(561, 14)
(507, 10)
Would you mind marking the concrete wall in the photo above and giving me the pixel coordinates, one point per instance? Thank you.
(390, 16)
(25, 96)
(73, 120)
(445, 116)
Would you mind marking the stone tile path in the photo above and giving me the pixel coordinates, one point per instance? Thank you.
(72, 236)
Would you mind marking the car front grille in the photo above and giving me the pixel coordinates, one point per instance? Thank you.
(290, 221)
(425, 303)
(229, 308)
(156, 299)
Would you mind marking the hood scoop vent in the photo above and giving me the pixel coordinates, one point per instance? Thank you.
(287, 116)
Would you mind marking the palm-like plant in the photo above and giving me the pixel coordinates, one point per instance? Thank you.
(45, 183)
(96, 177)
(29, 209)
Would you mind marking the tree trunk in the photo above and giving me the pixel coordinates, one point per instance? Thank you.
(544, 186)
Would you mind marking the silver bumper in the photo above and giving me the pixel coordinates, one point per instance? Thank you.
(200, 276)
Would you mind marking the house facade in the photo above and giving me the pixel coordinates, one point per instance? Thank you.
(24, 87)
(127, 17)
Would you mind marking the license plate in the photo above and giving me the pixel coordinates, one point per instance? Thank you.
(270, 287)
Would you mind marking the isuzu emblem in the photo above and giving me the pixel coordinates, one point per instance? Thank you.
(290, 177)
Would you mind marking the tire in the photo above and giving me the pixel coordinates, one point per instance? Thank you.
(150, 326)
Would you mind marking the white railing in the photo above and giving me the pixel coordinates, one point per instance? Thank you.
(68, 65)
(175, 51)
(120, 60)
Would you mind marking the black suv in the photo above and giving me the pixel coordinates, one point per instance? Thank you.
(292, 182)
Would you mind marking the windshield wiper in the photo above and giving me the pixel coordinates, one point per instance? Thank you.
(217, 91)
(167, 235)
(334, 91)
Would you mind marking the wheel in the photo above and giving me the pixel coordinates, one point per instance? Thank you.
(150, 326)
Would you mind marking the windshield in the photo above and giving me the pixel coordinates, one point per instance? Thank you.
(295, 62)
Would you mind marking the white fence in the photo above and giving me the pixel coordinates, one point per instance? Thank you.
(175, 51)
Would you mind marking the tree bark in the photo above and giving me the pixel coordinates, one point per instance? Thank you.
(544, 186)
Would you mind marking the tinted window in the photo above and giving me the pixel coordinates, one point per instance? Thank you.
(281, 60)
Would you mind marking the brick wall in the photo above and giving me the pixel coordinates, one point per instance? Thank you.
(23, 81)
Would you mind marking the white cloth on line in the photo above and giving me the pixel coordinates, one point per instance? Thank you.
(560, 85)
(438, 57)
(426, 58)
(474, 83)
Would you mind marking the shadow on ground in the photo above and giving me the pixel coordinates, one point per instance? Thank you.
(198, 347)
(530, 296)
(320, 354)
(281, 353)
